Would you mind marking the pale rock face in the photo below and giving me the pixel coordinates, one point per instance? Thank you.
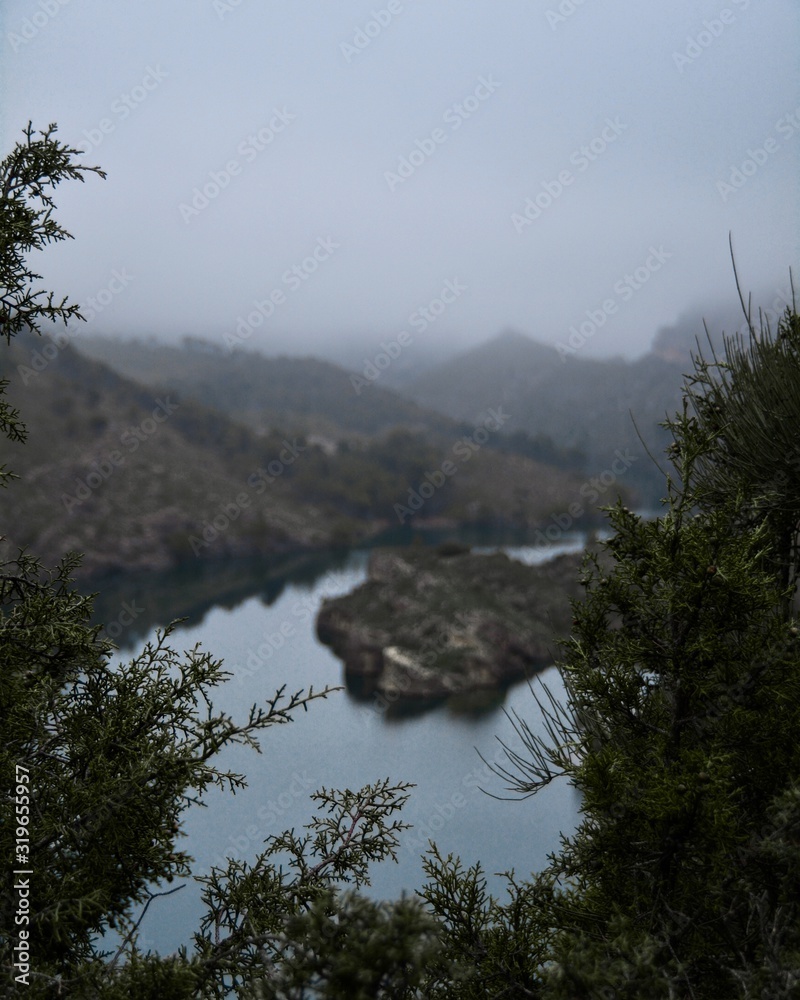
(404, 674)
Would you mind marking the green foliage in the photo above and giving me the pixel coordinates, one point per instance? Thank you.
(28, 175)
(681, 673)
(740, 419)
(490, 949)
(282, 929)
(681, 728)
(115, 756)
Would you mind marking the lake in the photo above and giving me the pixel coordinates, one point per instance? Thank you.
(260, 621)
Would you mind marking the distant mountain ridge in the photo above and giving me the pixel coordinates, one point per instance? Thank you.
(596, 406)
(572, 406)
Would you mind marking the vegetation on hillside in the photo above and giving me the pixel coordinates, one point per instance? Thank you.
(306, 394)
(138, 477)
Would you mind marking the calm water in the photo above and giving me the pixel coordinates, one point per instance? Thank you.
(267, 639)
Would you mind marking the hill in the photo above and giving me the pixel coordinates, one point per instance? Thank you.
(577, 403)
(309, 395)
(143, 478)
(129, 477)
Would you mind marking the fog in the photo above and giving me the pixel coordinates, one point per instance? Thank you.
(317, 177)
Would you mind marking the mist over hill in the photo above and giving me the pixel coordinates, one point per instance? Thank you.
(564, 408)
(597, 407)
(138, 449)
(291, 458)
(306, 393)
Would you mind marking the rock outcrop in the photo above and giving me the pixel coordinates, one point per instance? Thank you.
(429, 623)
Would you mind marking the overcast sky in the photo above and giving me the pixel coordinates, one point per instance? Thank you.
(328, 169)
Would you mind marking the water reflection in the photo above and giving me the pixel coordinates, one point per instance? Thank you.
(133, 605)
(190, 592)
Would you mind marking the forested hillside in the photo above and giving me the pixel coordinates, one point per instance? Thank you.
(148, 477)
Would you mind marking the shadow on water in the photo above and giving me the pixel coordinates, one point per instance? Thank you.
(131, 605)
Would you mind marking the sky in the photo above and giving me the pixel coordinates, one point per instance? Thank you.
(301, 177)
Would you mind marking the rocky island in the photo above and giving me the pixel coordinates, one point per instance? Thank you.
(434, 622)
